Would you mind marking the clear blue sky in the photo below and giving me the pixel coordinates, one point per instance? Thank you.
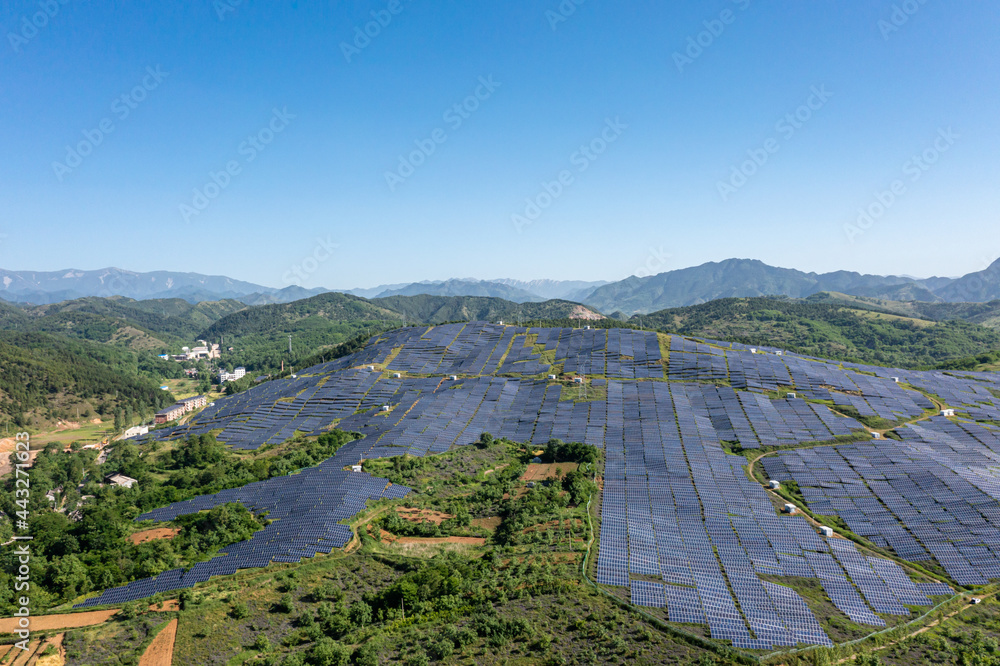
(650, 201)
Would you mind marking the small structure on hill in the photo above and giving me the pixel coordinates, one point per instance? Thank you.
(120, 480)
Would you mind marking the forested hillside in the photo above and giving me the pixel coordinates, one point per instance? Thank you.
(829, 330)
(160, 325)
(44, 376)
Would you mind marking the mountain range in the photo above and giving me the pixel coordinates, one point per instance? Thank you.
(732, 278)
(741, 278)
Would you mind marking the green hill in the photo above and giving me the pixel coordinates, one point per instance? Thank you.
(829, 329)
(259, 334)
(438, 309)
(141, 325)
(167, 318)
(985, 314)
(46, 377)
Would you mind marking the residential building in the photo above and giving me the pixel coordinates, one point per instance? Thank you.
(191, 404)
(171, 413)
(135, 431)
(238, 373)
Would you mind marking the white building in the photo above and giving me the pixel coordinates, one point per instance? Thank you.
(947, 412)
(238, 373)
(789, 508)
(826, 531)
(120, 480)
(773, 485)
(135, 431)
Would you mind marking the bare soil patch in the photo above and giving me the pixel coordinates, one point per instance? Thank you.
(580, 312)
(154, 534)
(542, 471)
(53, 622)
(161, 651)
(166, 606)
(469, 541)
(423, 515)
(490, 523)
(56, 659)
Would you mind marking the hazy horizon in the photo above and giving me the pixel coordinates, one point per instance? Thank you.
(262, 283)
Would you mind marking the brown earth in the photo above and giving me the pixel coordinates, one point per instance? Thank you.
(487, 523)
(166, 606)
(52, 622)
(154, 534)
(542, 471)
(580, 312)
(57, 659)
(21, 657)
(161, 651)
(423, 515)
(471, 541)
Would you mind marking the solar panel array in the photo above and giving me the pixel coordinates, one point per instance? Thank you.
(682, 526)
(932, 495)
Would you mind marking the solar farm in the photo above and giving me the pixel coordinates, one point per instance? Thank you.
(684, 530)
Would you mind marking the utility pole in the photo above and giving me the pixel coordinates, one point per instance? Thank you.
(289, 345)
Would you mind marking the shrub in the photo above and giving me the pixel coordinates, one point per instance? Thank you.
(361, 614)
(239, 611)
(441, 649)
(285, 604)
(328, 652)
(418, 659)
(366, 655)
